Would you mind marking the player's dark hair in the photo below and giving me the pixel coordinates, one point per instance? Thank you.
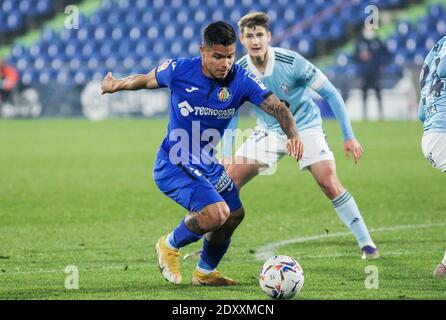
(254, 19)
(219, 32)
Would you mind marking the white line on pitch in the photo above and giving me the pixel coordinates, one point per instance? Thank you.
(120, 267)
(337, 255)
(268, 250)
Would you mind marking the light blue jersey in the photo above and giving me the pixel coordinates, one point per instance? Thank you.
(290, 76)
(432, 107)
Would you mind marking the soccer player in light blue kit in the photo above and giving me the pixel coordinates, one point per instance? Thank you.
(290, 76)
(206, 92)
(432, 111)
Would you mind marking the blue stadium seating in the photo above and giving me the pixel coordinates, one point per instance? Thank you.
(126, 36)
(411, 42)
(14, 13)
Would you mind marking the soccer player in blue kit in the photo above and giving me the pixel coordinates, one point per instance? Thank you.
(206, 93)
(290, 77)
(432, 112)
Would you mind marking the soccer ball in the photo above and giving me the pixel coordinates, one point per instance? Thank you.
(281, 277)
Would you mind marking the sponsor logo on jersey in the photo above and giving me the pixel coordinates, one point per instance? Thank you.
(224, 94)
(194, 171)
(259, 82)
(219, 114)
(309, 74)
(225, 182)
(186, 109)
(192, 89)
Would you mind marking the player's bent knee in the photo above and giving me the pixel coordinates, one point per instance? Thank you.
(331, 186)
(235, 218)
(328, 183)
(238, 215)
(223, 213)
(217, 214)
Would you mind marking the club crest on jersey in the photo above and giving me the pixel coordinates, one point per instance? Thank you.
(284, 87)
(224, 94)
(164, 65)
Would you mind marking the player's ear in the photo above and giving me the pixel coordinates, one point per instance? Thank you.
(202, 50)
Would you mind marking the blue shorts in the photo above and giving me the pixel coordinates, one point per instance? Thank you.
(194, 190)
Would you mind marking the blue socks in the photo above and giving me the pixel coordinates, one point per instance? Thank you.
(212, 255)
(181, 236)
(348, 212)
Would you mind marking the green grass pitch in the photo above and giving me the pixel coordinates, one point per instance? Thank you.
(73, 192)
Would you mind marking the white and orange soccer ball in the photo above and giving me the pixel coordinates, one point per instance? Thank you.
(281, 277)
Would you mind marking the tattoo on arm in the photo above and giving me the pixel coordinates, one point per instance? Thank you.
(273, 106)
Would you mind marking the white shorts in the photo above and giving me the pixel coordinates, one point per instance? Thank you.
(434, 149)
(269, 147)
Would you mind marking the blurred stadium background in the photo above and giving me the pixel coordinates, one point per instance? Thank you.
(78, 192)
(62, 57)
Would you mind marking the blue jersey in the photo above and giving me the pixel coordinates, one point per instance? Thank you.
(432, 107)
(201, 109)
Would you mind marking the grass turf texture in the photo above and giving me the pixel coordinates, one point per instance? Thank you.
(73, 192)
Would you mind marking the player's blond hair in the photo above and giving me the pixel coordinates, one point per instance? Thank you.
(254, 19)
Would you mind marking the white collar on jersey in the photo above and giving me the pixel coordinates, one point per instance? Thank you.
(269, 65)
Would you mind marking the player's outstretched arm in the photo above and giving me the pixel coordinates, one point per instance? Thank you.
(273, 106)
(134, 82)
(329, 93)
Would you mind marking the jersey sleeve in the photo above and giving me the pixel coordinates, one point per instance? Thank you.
(337, 105)
(256, 91)
(305, 73)
(441, 69)
(164, 73)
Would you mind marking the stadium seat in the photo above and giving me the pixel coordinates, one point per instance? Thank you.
(126, 35)
(28, 77)
(411, 41)
(43, 7)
